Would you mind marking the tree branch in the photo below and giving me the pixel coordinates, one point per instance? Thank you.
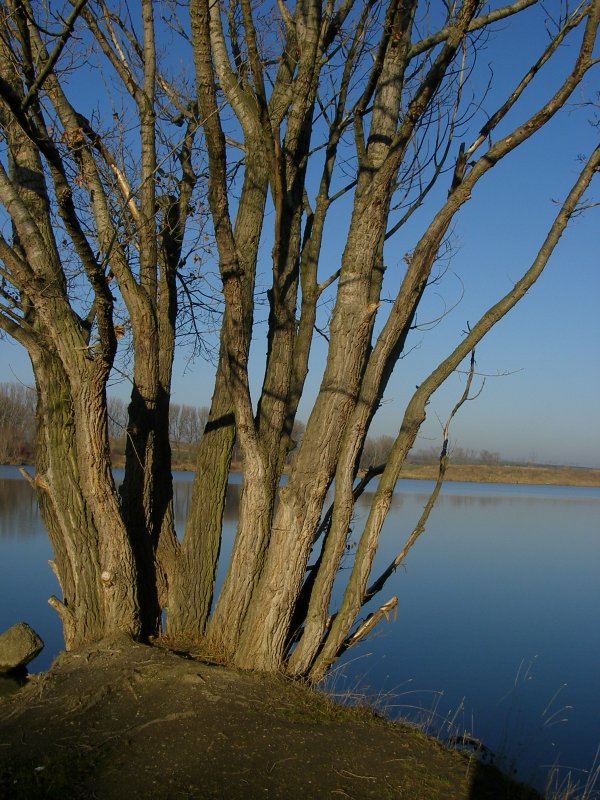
(55, 55)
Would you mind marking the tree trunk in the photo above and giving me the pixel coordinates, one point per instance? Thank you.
(138, 490)
(301, 502)
(66, 514)
(192, 588)
(93, 561)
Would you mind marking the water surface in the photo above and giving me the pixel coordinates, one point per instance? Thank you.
(497, 628)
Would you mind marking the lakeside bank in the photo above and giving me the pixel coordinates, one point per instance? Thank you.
(476, 473)
(123, 720)
(507, 473)
(543, 475)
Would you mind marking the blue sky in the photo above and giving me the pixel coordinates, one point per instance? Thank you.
(541, 400)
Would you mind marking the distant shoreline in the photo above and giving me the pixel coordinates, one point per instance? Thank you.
(481, 473)
(470, 473)
(507, 473)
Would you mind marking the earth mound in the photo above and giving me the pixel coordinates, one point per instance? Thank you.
(124, 720)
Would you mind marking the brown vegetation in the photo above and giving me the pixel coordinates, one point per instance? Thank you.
(507, 473)
(17, 424)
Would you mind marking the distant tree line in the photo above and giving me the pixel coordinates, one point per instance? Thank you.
(186, 426)
(17, 423)
(458, 455)
(377, 450)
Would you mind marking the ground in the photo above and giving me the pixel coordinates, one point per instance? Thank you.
(122, 720)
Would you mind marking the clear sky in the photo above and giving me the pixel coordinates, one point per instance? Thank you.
(541, 400)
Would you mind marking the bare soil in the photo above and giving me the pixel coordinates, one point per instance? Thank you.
(123, 720)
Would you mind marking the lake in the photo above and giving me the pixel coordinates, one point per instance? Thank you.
(497, 630)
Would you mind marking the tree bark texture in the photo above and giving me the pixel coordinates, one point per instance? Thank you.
(240, 169)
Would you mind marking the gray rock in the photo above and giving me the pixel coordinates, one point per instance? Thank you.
(18, 646)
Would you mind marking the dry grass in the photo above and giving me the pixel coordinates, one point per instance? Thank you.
(508, 473)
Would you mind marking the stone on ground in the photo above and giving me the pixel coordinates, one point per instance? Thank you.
(18, 646)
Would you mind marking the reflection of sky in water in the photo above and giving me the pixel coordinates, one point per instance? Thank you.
(501, 576)
(504, 578)
(19, 516)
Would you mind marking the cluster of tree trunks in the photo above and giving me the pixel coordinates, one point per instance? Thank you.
(286, 112)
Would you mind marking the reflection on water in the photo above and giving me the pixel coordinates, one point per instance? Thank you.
(19, 515)
(497, 619)
(182, 496)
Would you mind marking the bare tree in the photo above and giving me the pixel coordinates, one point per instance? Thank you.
(376, 450)
(397, 97)
(91, 259)
(17, 422)
(365, 107)
(117, 417)
(187, 424)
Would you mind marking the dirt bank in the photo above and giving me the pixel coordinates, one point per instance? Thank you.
(121, 720)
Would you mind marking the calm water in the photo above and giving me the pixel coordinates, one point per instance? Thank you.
(497, 629)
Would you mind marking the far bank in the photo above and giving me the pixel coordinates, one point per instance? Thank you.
(507, 473)
(543, 475)
(484, 473)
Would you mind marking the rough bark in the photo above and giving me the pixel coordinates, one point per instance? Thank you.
(349, 88)
(66, 514)
(191, 593)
